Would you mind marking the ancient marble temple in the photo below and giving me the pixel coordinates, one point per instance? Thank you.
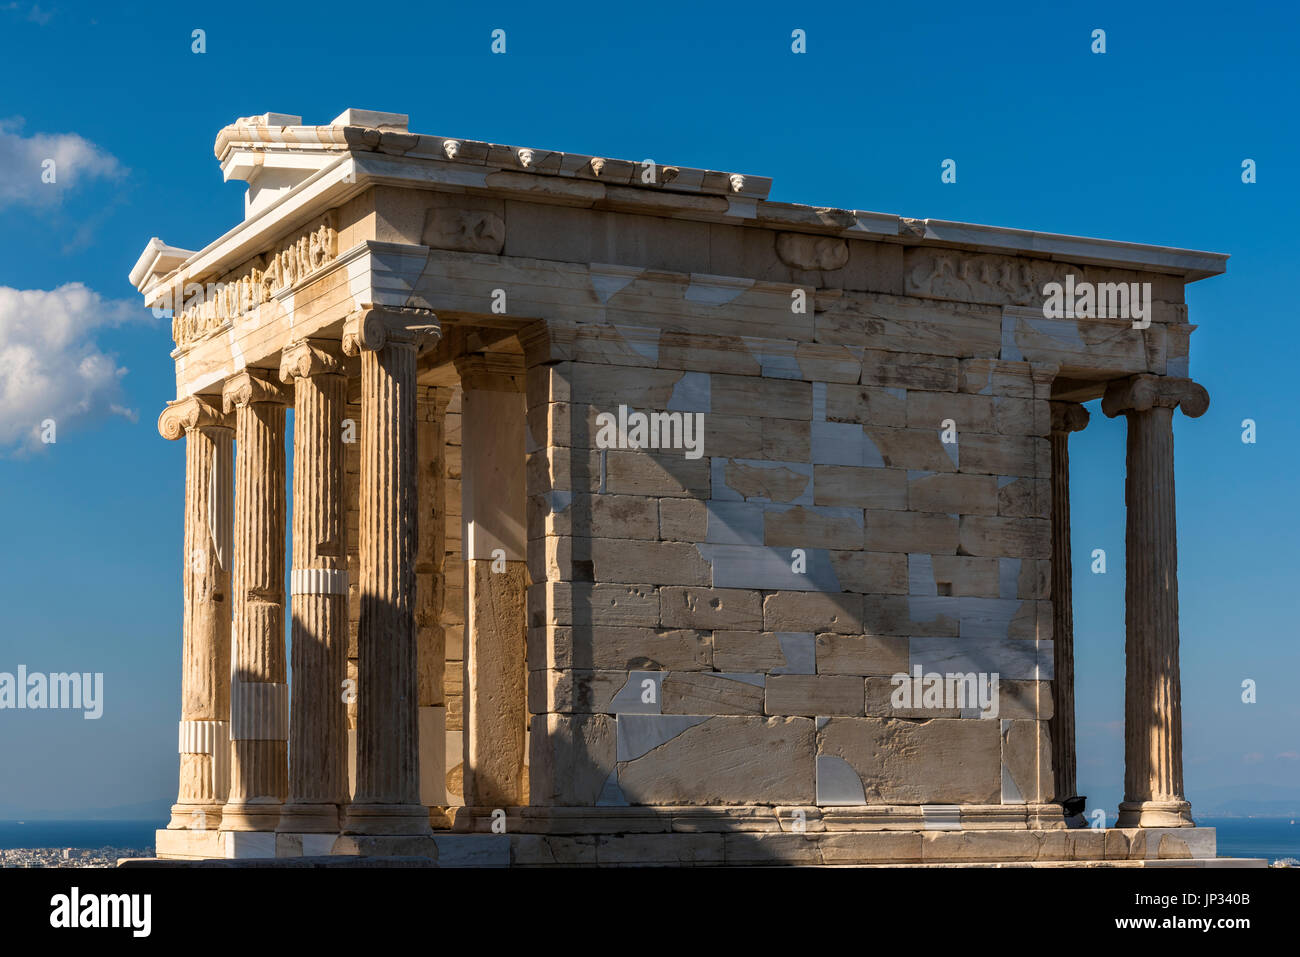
(631, 517)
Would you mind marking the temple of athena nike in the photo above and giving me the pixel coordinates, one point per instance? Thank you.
(626, 516)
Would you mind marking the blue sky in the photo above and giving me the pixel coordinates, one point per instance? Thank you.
(1143, 143)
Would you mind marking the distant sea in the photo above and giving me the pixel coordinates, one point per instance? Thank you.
(1266, 837)
(79, 834)
(1269, 838)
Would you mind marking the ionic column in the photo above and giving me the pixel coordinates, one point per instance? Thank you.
(352, 499)
(205, 663)
(318, 585)
(493, 426)
(259, 696)
(1067, 417)
(1153, 721)
(387, 798)
(430, 589)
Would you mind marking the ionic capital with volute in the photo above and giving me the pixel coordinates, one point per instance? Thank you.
(251, 386)
(1141, 393)
(371, 328)
(191, 412)
(305, 358)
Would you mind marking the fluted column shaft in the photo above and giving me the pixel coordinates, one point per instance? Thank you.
(352, 498)
(1153, 724)
(387, 798)
(204, 731)
(259, 695)
(318, 590)
(1153, 728)
(1067, 417)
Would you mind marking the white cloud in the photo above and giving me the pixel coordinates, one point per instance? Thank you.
(33, 14)
(50, 365)
(25, 166)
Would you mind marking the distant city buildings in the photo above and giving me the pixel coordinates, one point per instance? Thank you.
(69, 856)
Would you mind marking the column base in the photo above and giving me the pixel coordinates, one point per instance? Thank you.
(404, 819)
(251, 815)
(187, 845)
(305, 818)
(1155, 814)
(305, 845)
(195, 817)
(247, 845)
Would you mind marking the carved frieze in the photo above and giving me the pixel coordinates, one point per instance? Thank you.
(802, 251)
(207, 307)
(465, 230)
(974, 277)
(1020, 281)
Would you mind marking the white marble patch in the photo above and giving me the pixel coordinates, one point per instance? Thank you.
(1010, 348)
(611, 795)
(1008, 577)
(766, 567)
(929, 609)
(744, 677)
(845, 443)
(1010, 658)
(639, 734)
(242, 845)
(715, 290)
(953, 450)
(692, 393)
(838, 785)
(628, 700)
(643, 340)
(987, 617)
(799, 648)
(941, 817)
(608, 281)
(776, 357)
(920, 575)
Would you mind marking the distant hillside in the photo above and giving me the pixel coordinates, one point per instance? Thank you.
(1245, 801)
(1288, 809)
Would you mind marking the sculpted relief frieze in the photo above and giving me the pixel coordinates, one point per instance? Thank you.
(1059, 290)
(802, 251)
(465, 230)
(206, 307)
(975, 277)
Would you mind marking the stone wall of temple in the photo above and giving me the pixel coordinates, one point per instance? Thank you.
(724, 629)
(871, 496)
